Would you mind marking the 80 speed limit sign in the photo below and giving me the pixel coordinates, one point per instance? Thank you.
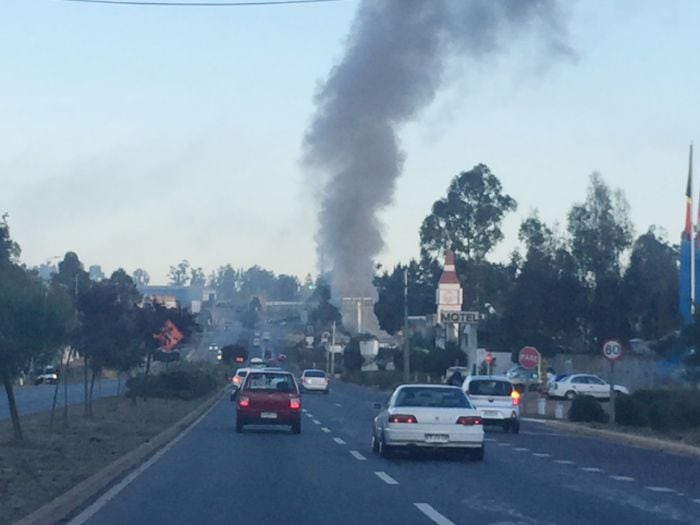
(612, 350)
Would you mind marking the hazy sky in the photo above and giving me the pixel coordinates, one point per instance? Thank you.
(139, 136)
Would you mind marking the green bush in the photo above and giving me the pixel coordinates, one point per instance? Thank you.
(182, 381)
(587, 408)
(659, 409)
(630, 411)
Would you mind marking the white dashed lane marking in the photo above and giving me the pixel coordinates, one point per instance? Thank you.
(434, 515)
(564, 461)
(316, 421)
(338, 404)
(660, 489)
(696, 501)
(357, 455)
(622, 478)
(386, 478)
(325, 429)
(339, 441)
(501, 444)
(521, 449)
(591, 469)
(541, 455)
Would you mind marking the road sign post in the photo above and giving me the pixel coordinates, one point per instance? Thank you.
(529, 358)
(612, 350)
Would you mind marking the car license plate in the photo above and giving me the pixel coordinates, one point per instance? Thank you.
(436, 438)
(490, 413)
(268, 415)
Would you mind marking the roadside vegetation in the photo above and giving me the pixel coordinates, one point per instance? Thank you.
(48, 464)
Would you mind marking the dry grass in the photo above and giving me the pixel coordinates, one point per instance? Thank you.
(47, 465)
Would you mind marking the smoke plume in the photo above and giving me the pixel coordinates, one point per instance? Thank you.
(393, 66)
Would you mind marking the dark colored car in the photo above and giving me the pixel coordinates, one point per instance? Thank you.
(269, 397)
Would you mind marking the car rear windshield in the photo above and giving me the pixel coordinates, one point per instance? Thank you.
(270, 381)
(432, 397)
(314, 373)
(490, 387)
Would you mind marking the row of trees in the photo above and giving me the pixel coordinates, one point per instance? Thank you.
(238, 285)
(43, 321)
(563, 290)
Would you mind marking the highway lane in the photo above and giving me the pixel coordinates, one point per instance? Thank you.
(328, 474)
(32, 399)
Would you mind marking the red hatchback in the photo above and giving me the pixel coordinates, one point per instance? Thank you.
(269, 397)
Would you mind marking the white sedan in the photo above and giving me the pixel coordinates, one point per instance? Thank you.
(574, 385)
(435, 416)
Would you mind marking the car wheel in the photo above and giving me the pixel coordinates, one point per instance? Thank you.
(570, 395)
(385, 450)
(515, 427)
(375, 444)
(477, 454)
(296, 427)
(239, 426)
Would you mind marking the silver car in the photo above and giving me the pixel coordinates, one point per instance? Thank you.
(497, 400)
(428, 416)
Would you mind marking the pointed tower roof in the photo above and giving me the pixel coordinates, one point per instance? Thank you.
(449, 273)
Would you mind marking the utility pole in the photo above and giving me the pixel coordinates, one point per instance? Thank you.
(406, 353)
(333, 351)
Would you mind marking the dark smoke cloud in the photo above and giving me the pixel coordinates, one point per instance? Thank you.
(392, 68)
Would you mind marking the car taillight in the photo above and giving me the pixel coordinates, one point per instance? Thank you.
(295, 403)
(244, 402)
(237, 379)
(469, 420)
(515, 396)
(402, 418)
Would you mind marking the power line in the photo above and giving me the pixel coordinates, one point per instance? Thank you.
(201, 4)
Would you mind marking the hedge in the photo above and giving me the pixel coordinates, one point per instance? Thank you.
(659, 409)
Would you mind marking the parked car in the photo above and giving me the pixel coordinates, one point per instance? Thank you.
(428, 416)
(314, 380)
(48, 377)
(269, 397)
(573, 385)
(497, 400)
(520, 374)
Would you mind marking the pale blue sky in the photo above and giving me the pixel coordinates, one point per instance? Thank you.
(140, 136)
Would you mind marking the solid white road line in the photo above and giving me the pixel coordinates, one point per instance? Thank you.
(660, 489)
(621, 478)
(100, 502)
(325, 429)
(386, 478)
(357, 455)
(564, 461)
(339, 441)
(541, 455)
(591, 469)
(434, 515)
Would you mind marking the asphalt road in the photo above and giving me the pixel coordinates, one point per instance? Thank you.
(328, 475)
(31, 399)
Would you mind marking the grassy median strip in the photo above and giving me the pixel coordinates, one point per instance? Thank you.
(49, 464)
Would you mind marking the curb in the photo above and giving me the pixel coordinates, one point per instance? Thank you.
(60, 508)
(622, 437)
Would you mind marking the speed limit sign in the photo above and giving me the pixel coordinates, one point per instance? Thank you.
(612, 350)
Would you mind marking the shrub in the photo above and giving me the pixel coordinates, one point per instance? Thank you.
(184, 381)
(587, 408)
(630, 411)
